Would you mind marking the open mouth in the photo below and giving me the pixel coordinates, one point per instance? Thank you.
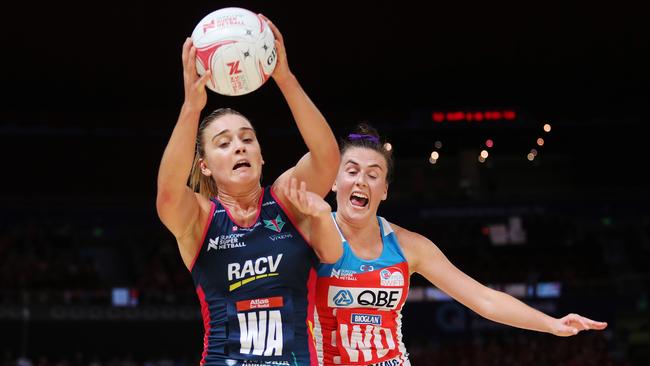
(359, 199)
(241, 163)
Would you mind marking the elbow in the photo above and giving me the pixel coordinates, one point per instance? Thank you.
(330, 154)
(164, 200)
(161, 202)
(331, 161)
(487, 307)
(335, 157)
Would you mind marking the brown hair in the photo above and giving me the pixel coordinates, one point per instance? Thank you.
(366, 136)
(199, 182)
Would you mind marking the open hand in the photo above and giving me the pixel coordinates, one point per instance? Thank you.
(306, 202)
(572, 324)
(195, 94)
(281, 71)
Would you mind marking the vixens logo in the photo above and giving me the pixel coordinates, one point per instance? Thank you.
(275, 224)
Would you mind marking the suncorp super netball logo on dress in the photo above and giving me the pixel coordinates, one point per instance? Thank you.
(228, 241)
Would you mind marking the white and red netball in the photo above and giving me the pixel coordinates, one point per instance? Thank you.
(238, 46)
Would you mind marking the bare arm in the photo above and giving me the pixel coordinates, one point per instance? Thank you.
(318, 167)
(425, 258)
(177, 205)
(323, 236)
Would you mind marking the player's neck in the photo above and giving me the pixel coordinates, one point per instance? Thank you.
(242, 205)
(362, 234)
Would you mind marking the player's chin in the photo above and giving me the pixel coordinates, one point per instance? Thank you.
(358, 211)
(245, 176)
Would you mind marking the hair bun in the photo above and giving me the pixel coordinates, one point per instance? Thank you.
(363, 128)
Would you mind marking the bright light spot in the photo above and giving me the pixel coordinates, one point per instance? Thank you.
(540, 141)
(435, 155)
(489, 143)
(388, 146)
(533, 151)
(438, 145)
(530, 157)
(481, 159)
(547, 127)
(484, 154)
(432, 160)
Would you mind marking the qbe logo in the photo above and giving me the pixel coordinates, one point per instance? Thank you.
(377, 298)
(343, 298)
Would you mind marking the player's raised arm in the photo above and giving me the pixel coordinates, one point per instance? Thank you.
(176, 203)
(319, 166)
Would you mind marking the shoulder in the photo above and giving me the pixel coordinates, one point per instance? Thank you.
(415, 246)
(408, 237)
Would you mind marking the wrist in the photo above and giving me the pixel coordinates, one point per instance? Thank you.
(322, 216)
(190, 108)
(550, 324)
(286, 80)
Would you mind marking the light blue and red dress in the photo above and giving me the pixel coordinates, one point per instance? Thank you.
(358, 306)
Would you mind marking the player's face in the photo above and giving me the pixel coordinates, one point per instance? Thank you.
(232, 152)
(361, 183)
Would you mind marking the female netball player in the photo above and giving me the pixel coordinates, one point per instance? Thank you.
(359, 297)
(251, 254)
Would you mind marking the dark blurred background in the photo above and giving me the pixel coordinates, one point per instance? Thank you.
(91, 92)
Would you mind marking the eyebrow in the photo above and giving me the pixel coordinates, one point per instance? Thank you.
(369, 166)
(227, 130)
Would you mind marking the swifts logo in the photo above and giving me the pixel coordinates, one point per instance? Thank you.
(391, 277)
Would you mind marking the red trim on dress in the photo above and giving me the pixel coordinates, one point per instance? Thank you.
(205, 313)
(311, 307)
(205, 232)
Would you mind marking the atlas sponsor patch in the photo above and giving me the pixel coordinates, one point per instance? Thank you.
(263, 303)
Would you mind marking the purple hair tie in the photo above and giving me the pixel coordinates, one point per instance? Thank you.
(356, 136)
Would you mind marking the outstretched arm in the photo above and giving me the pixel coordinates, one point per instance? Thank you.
(319, 166)
(425, 258)
(177, 205)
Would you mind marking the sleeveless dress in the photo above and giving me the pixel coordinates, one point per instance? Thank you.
(358, 306)
(256, 287)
